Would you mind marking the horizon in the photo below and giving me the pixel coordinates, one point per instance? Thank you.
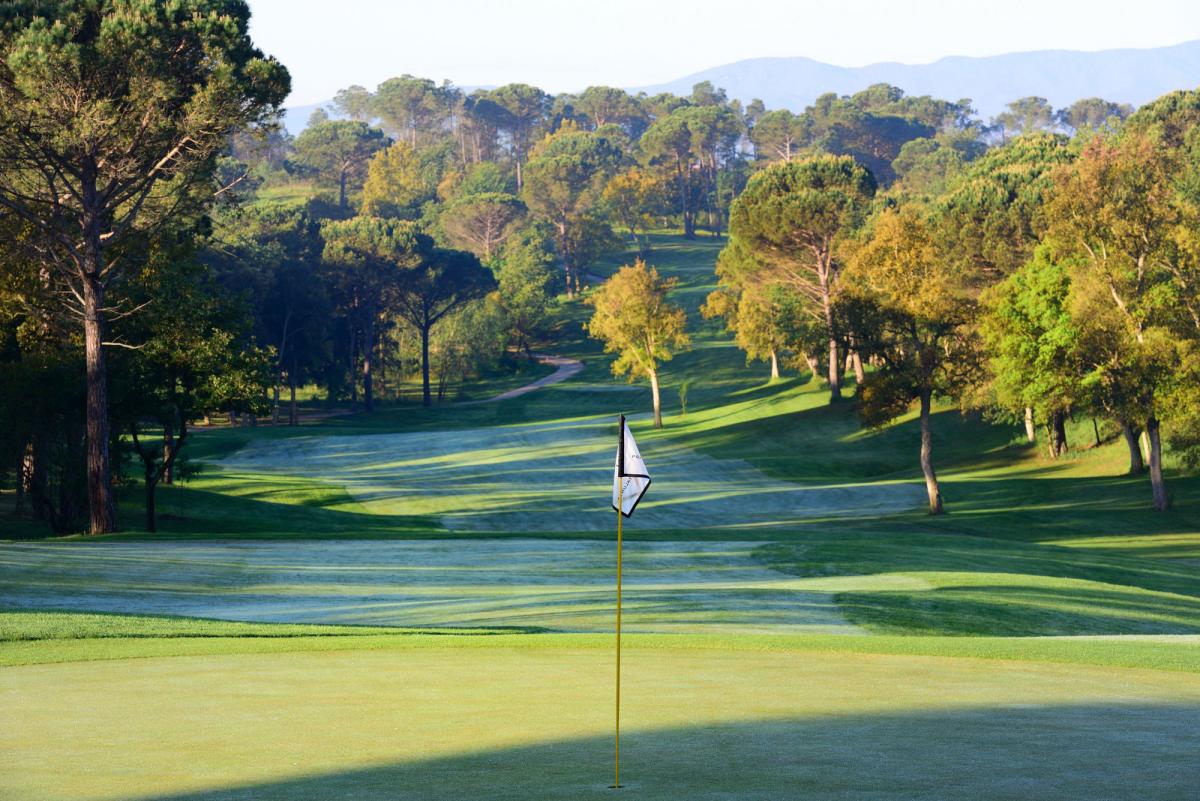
(937, 60)
(325, 55)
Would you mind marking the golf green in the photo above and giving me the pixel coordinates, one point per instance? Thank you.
(535, 723)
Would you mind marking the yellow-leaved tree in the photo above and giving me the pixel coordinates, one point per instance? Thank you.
(634, 320)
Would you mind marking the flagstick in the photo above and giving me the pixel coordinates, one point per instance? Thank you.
(620, 504)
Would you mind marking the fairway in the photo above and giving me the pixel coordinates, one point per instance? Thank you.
(395, 408)
(526, 723)
(553, 477)
(544, 584)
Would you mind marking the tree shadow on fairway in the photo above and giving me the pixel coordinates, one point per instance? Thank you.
(1002, 611)
(1019, 752)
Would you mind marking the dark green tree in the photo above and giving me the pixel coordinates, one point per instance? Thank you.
(112, 115)
(792, 219)
(336, 153)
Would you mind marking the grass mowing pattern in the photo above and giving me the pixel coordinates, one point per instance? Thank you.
(553, 477)
(538, 584)
(1030, 548)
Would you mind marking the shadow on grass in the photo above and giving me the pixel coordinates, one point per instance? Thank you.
(269, 513)
(1004, 611)
(1049, 752)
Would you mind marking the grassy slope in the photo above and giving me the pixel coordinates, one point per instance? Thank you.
(1030, 546)
(300, 712)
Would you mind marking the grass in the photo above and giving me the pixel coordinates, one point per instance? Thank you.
(45, 637)
(1041, 640)
(530, 717)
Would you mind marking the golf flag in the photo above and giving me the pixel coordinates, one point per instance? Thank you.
(630, 478)
(630, 481)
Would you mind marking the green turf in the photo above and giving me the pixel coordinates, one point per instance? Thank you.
(38, 637)
(519, 722)
(1040, 641)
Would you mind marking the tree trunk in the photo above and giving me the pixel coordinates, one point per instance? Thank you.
(35, 477)
(22, 480)
(1136, 463)
(689, 221)
(517, 158)
(931, 482)
(342, 191)
(151, 516)
(860, 375)
(564, 256)
(275, 399)
(835, 369)
(292, 389)
(1030, 432)
(1096, 431)
(426, 397)
(101, 506)
(368, 348)
(774, 366)
(657, 400)
(1162, 501)
(168, 463)
(1056, 428)
(835, 372)
(814, 366)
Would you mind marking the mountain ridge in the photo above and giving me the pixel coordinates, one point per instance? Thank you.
(1124, 75)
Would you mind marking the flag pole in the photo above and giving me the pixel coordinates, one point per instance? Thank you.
(620, 504)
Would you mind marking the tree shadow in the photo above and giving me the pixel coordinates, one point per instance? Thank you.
(1016, 611)
(1115, 751)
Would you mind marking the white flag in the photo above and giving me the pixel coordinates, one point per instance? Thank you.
(630, 477)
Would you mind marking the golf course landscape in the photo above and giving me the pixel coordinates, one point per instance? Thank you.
(418, 604)
(548, 401)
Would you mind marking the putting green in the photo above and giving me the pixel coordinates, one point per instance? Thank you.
(515, 723)
(548, 477)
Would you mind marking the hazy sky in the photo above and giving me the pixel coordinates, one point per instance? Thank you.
(566, 45)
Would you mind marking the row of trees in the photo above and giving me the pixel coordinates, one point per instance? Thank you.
(167, 251)
(663, 156)
(107, 166)
(1048, 278)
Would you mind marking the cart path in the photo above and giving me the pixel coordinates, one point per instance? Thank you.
(567, 368)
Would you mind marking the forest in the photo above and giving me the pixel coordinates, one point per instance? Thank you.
(170, 258)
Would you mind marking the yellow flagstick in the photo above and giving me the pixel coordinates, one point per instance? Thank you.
(620, 504)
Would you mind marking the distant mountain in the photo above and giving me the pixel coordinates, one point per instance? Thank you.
(295, 119)
(1060, 76)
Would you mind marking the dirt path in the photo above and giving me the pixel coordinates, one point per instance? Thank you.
(566, 369)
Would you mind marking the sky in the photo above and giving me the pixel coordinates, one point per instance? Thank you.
(567, 45)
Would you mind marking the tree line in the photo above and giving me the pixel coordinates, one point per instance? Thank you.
(1045, 278)
(169, 253)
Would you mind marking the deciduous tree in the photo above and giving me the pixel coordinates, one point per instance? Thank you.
(911, 308)
(634, 319)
